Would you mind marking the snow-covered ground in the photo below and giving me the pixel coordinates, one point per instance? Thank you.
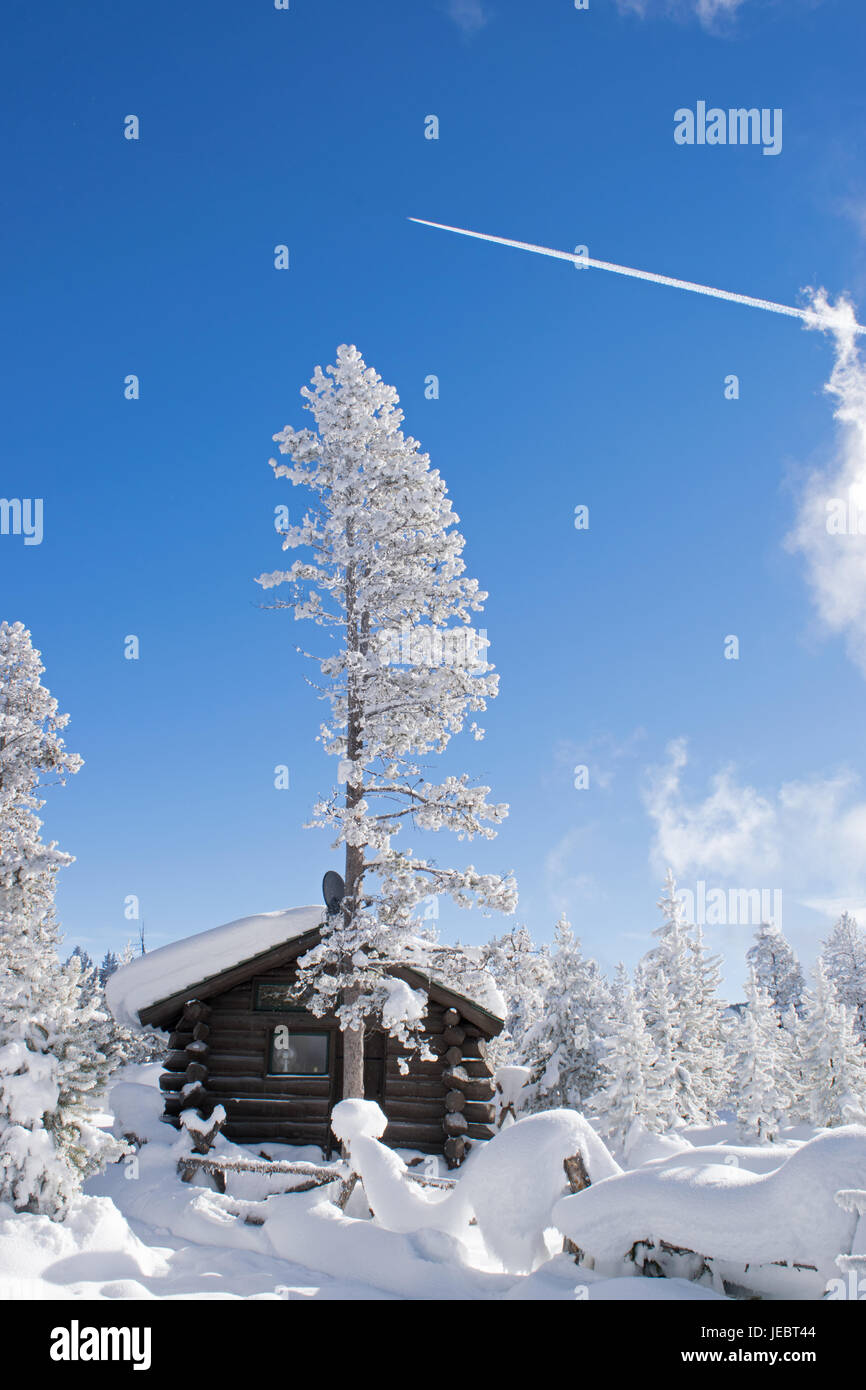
(140, 1233)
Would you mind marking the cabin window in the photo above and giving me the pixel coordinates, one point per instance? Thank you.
(297, 1054)
(277, 996)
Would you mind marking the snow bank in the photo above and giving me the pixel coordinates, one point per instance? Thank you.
(517, 1178)
(427, 1264)
(726, 1212)
(181, 964)
(94, 1243)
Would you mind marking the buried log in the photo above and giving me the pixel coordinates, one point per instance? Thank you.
(578, 1180)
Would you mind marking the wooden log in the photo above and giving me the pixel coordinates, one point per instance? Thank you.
(455, 1150)
(203, 1139)
(476, 1066)
(196, 1071)
(276, 1086)
(455, 1100)
(194, 1097)
(480, 1112)
(454, 1056)
(454, 1036)
(272, 1107)
(451, 1018)
(415, 1087)
(201, 1032)
(479, 1132)
(578, 1179)
(455, 1123)
(172, 1081)
(180, 1039)
(411, 1135)
(427, 1112)
(475, 1047)
(176, 1061)
(474, 1088)
(248, 1129)
(575, 1171)
(431, 1070)
(194, 1011)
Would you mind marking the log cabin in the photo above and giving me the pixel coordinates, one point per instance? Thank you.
(240, 1037)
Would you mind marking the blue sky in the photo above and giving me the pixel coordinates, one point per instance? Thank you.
(557, 387)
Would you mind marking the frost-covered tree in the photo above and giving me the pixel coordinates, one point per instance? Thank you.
(677, 983)
(108, 967)
(52, 1060)
(88, 973)
(402, 668)
(832, 1058)
(564, 1045)
(777, 970)
(844, 957)
(521, 970)
(762, 1082)
(635, 1085)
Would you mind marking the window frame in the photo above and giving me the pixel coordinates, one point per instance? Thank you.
(324, 1033)
(283, 1008)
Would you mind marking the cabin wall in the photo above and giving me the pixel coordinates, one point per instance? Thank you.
(218, 1055)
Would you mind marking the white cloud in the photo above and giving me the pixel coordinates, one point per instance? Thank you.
(832, 507)
(710, 12)
(807, 837)
(468, 15)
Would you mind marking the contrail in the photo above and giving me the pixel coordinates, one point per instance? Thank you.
(808, 315)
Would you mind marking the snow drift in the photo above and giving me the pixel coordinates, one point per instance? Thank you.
(788, 1216)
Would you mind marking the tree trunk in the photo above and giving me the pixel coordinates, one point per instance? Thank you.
(356, 639)
(353, 1064)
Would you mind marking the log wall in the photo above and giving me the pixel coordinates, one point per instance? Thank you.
(218, 1055)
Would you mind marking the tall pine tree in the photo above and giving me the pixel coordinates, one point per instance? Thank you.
(384, 579)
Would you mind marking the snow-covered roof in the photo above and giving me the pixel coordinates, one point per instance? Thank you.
(161, 974)
(181, 964)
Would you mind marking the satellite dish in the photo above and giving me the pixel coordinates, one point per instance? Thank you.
(333, 891)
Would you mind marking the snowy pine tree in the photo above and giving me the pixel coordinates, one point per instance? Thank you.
(844, 957)
(384, 579)
(52, 1061)
(832, 1058)
(677, 982)
(521, 970)
(108, 967)
(762, 1083)
(563, 1047)
(777, 970)
(635, 1086)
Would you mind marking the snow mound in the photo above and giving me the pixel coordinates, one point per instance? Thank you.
(354, 1119)
(516, 1180)
(726, 1212)
(182, 964)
